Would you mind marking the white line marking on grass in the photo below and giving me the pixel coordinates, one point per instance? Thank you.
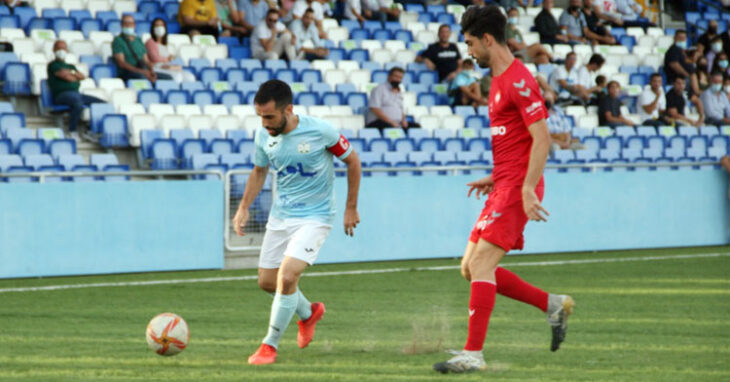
(358, 272)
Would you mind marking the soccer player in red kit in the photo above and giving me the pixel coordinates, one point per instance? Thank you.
(521, 142)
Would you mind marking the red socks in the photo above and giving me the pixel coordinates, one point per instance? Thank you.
(481, 304)
(512, 286)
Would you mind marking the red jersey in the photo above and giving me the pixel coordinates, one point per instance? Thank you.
(515, 103)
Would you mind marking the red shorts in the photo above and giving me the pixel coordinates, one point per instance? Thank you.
(503, 218)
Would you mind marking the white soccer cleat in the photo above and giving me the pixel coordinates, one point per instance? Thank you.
(560, 306)
(462, 362)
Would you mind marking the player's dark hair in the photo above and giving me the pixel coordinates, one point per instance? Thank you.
(396, 69)
(597, 59)
(274, 90)
(488, 19)
(654, 75)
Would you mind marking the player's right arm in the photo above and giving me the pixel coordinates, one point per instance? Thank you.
(253, 186)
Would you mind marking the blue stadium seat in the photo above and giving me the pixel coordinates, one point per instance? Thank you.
(239, 52)
(635, 142)
(98, 111)
(230, 98)
(203, 97)
(382, 35)
(719, 142)
(192, 86)
(166, 85)
(321, 88)
(58, 147)
(234, 75)
(64, 24)
(368, 157)
(24, 14)
(444, 134)
(208, 75)
(678, 142)
(609, 154)
(198, 64)
(246, 146)
(275, 65)
(221, 146)
(6, 147)
(103, 71)
(310, 76)
(428, 99)
(656, 142)
(564, 155)
(358, 144)
(337, 54)
(17, 78)
(286, 75)
(307, 99)
(260, 76)
(613, 143)
(250, 64)
(358, 102)
(628, 41)
(147, 138)
(164, 155)
(369, 134)
(236, 136)
(332, 99)
(592, 143)
(114, 131)
(429, 145)
(188, 148)
(9, 21)
(345, 89)
(90, 25)
(37, 161)
(428, 78)
(631, 155)
(178, 97)
(380, 145)
(478, 145)
(208, 135)
(147, 97)
(404, 145)
(359, 34)
(11, 121)
(39, 23)
(475, 122)
(379, 76)
(71, 161)
(359, 55)
(148, 7)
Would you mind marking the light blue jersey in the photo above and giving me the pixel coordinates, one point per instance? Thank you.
(304, 168)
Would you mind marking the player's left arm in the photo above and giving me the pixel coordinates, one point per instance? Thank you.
(343, 150)
(538, 157)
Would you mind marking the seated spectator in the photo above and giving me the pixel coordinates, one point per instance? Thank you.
(573, 23)
(630, 13)
(559, 127)
(601, 84)
(380, 10)
(302, 6)
(64, 81)
(606, 11)
(721, 64)
(533, 53)
(160, 56)
(652, 103)
(442, 56)
(386, 103)
(353, 10)
(716, 103)
(507, 4)
(231, 19)
(465, 89)
(271, 40)
(308, 44)
(597, 31)
(547, 26)
(675, 64)
(198, 17)
(714, 50)
(677, 102)
(586, 85)
(254, 12)
(699, 80)
(704, 43)
(564, 79)
(726, 86)
(130, 55)
(609, 111)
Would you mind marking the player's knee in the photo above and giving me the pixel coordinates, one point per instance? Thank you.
(267, 285)
(288, 281)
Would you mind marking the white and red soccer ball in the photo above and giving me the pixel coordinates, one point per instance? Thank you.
(167, 334)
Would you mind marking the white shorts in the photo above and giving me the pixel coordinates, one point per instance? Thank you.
(297, 238)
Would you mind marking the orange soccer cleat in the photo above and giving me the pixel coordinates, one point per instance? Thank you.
(306, 328)
(265, 355)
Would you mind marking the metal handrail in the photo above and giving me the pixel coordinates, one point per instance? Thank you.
(41, 175)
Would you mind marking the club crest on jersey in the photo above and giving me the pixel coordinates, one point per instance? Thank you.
(304, 148)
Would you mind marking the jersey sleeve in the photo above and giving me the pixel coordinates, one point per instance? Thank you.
(335, 142)
(260, 158)
(527, 98)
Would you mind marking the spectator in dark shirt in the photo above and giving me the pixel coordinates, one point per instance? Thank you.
(705, 41)
(442, 56)
(609, 111)
(532, 53)
(64, 81)
(596, 29)
(676, 103)
(547, 26)
(675, 64)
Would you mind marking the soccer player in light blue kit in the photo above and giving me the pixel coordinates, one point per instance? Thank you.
(301, 150)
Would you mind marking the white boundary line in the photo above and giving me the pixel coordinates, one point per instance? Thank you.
(358, 272)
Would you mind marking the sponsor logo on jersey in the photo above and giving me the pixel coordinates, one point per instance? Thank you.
(298, 169)
(535, 106)
(498, 130)
(304, 147)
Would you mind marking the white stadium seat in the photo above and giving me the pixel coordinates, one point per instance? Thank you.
(430, 122)
(214, 111)
(341, 110)
(159, 110)
(453, 122)
(188, 51)
(322, 65)
(131, 109)
(334, 77)
(227, 122)
(200, 122)
(381, 55)
(348, 65)
(82, 48)
(170, 122)
(121, 97)
(187, 110)
(216, 52)
(140, 122)
(354, 122)
(242, 111)
(588, 121)
(124, 6)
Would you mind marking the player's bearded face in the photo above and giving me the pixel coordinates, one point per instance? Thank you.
(276, 130)
(478, 49)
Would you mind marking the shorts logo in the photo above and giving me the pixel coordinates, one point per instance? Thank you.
(533, 107)
(309, 250)
(471, 312)
(304, 147)
(498, 130)
(487, 220)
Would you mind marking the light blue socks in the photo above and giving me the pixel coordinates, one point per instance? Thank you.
(304, 307)
(282, 310)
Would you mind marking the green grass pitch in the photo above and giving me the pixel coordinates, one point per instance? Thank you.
(650, 320)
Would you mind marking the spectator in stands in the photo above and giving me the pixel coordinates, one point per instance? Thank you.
(601, 84)
(721, 64)
(726, 86)
(231, 19)
(130, 55)
(596, 27)
(573, 22)
(442, 56)
(380, 10)
(699, 80)
(715, 49)
(564, 79)
(507, 4)
(547, 26)
(653, 103)
(716, 103)
(704, 43)
(609, 111)
(386, 103)
(271, 40)
(12, 4)
(676, 103)
(586, 85)
(629, 10)
(353, 10)
(254, 12)
(159, 54)
(308, 44)
(605, 11)
(675, 64)
(464, 89)
(198, 17)
(302, 6)
(64, 81)
(559, 126)
(532, 53)
(485, 84)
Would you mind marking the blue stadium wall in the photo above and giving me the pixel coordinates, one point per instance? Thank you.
(110, 227)
(407, 218)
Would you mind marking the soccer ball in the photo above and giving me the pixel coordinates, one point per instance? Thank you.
(167, 334)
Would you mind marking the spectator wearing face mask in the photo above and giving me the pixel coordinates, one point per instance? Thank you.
(160, 56)
(130, 55)
(534, 53)
(675, 64)
(721, 64)
(707, 39)
(714, 50)
(63, 81)
(700, 79)
(716, 103)
(386, 103)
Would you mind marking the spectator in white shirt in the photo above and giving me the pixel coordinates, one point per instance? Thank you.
(302, 6)
(653, 103)
(380, 10)
(587, 74)
(564, 79)
(271, 40)
(308, 44)
(353, 10)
